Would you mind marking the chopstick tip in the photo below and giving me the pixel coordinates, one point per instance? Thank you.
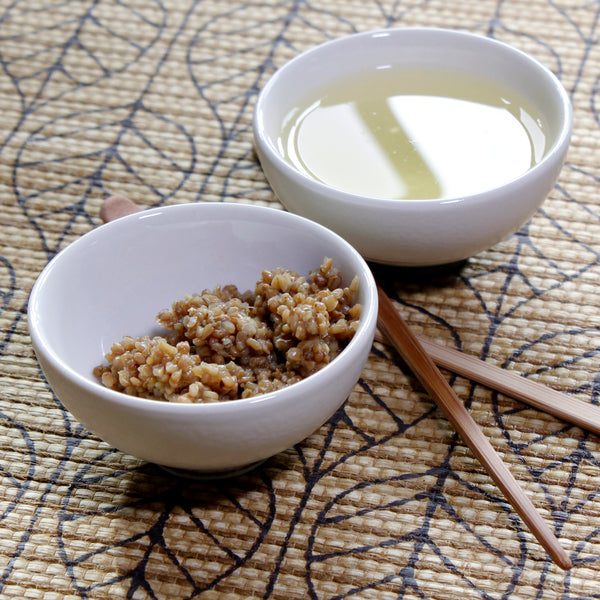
(563, 560)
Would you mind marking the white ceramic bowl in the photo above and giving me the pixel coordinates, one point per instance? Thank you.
(115, 279)
(414, 232)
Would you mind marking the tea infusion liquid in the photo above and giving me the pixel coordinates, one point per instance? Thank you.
(413, 133)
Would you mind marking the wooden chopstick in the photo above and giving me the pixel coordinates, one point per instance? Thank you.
(392, 325)
(567, 408)
(582, 414)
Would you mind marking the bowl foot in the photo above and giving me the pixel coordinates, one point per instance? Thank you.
(211, 475)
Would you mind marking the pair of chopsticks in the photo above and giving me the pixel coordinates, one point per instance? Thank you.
(419, 357)
(420, 354)
(567, 408)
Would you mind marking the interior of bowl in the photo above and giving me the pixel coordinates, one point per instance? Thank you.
(421, 47)
(114, 280)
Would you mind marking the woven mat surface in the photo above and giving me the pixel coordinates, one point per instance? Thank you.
(153, 99)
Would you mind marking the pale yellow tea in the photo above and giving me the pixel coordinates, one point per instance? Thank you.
(419, 133)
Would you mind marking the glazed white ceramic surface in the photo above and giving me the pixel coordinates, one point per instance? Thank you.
(413, 232)
(115, 279)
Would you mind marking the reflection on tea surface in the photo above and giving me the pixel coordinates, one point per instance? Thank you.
(418, 133)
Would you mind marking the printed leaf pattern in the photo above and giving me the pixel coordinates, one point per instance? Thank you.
(154, 99)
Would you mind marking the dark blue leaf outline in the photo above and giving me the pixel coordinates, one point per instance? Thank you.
(230, 133)
(95, 180)
(177, 493)
(69, 42)
(77, 209)
(420, 537)
(48, 489)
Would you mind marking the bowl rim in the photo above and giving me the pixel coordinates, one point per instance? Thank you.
(344, 197)
(363, 335)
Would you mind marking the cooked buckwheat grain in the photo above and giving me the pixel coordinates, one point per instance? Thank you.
(223, 344)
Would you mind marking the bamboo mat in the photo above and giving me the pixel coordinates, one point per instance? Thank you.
(153, 99)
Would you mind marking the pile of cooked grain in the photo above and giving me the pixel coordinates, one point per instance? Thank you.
(224, 345)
